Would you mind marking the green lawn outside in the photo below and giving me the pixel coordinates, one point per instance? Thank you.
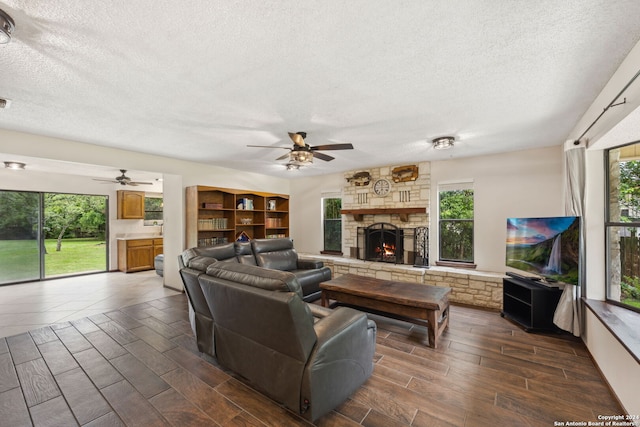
(19, 258)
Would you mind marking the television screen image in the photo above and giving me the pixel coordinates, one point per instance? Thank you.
(547, 247)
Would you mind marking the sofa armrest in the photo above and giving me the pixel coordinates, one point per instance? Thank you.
(319, 312)
(341, 361)
(309, 264)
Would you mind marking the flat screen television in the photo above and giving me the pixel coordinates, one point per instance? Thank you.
(546, 248)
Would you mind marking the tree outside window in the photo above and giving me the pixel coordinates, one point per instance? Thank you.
(153, 210)
(332, 225)
(456, 225)
(623, 227)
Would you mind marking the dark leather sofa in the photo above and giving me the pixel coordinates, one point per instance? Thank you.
(306, 357)
(276, 254)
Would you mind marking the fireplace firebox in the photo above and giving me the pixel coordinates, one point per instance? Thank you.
(384, 242)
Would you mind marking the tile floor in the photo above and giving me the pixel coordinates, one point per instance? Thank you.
(32, 305)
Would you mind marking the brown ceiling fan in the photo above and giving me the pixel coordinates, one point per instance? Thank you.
(123, 180)
(303, 153)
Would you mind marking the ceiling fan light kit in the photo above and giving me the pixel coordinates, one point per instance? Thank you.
(301, 157)
(15, 165)
(302, 154)
(443, 142)
(6, 27)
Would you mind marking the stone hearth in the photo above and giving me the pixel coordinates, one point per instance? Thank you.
(477, 288)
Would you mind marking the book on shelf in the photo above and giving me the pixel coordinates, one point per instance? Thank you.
(212, 224)
(245, 203)
(273, 222)
(276, 236)
(212, 241)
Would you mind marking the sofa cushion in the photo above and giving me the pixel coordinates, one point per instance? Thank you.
(310, 281)
(187, 255)
(277, 254)
(244, 254)
(200, 262)
(256, 277)
(219, 252)
(270, 245)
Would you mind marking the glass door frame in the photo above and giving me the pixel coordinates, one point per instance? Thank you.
(40, 236)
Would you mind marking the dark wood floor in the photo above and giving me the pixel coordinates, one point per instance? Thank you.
(139, 366)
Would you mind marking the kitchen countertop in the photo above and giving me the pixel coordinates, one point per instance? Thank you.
(139, 236)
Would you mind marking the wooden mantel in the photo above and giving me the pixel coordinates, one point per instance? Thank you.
(358, 214)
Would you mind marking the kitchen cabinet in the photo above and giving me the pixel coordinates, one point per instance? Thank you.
(138, 254)
(130, 204)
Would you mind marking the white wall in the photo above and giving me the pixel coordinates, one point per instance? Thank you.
(179, 173)
(517, 184)
(620, 369)
(305, 209)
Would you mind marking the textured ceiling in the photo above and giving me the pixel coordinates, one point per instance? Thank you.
(199, 80)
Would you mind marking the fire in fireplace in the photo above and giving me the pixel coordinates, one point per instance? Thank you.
(384, 242)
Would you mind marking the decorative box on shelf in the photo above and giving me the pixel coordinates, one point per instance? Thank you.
(212, 206)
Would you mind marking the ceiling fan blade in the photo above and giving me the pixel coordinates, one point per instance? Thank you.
(284, 156)
(322, 156)
(106, 180)
(333, 147)
(139, 183)
(297, 139)
(268, 146)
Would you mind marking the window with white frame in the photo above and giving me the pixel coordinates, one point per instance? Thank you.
(332, 224)
(455, 222)
(623, 226)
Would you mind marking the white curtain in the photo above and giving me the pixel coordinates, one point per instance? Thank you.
(568, 314)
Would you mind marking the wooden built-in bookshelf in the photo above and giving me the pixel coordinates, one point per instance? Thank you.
(217, 215)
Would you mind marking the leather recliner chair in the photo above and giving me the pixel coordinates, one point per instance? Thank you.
(279, 254)
(266, 333)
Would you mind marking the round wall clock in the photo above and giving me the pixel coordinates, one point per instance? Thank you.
(382, 187)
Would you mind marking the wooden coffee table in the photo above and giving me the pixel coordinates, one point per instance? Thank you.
(413, 302)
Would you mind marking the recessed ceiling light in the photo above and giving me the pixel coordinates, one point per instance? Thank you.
(15, 165)
(5, 103)
(6, 27)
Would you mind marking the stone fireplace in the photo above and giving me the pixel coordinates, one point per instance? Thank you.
(384, 228)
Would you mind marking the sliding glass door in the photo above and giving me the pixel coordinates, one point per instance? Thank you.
(19, 236)
(74, 231)
(45, 235)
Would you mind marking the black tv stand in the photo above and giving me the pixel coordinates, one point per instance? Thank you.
(529, 303)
